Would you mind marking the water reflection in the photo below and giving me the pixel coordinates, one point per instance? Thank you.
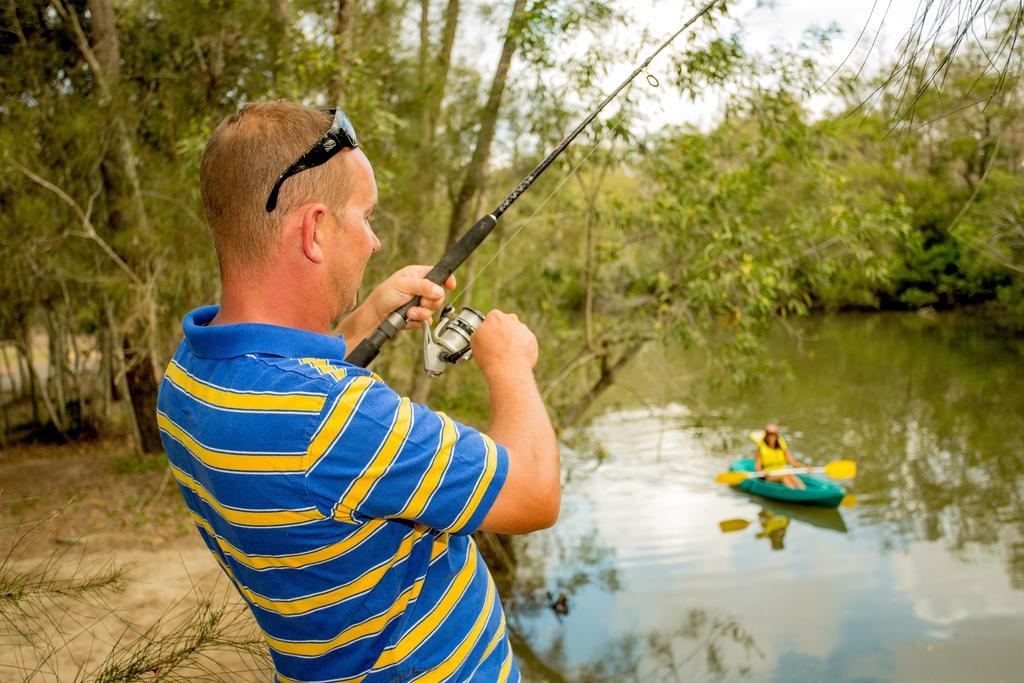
(773, 527)
(923, 577)
(774, 519)
(930, 408)
(821, 518)
(730, 525)
(701, 646)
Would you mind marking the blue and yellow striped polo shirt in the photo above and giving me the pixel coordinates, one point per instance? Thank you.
(340, 510)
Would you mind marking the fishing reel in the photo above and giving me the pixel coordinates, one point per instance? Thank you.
(448, 343)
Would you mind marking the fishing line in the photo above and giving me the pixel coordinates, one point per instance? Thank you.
(654, 83)
(370, 347)
(522, 226)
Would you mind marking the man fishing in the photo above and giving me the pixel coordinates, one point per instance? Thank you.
(340, 510)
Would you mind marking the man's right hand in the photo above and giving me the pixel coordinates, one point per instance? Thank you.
(502, 342)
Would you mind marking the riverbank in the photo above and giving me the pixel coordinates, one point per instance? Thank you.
(1000, 318)
(104, 574)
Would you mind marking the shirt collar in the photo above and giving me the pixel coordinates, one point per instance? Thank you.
(228, 341)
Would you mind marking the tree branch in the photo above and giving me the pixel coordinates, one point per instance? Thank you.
(70, 18)
(88, 230)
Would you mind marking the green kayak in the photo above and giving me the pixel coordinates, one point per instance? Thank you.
(818, 492)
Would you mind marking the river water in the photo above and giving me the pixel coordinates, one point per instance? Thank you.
(923, 580)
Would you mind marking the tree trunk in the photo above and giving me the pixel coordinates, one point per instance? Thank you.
(25, 349)
(424, 42)
(281, 11)
(345, 9)
(433, 79)
(42, 391)
(56, 373)
(19, 362)
(609, 371)
(8, 372)
(5, 425)
(279, 38)
(438, 80)
(106, 372)
(499, 554)
(142, 389)
(421, 384)
(590, 266)
(76, 368)
(488, 121)
(120, 166)
(499, 263)
(470, 275)
(127, 210)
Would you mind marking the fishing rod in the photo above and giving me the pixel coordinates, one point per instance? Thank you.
(449, 342)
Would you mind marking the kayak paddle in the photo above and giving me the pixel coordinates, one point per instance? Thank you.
(771, 524)
(727, 525)
(839, 469)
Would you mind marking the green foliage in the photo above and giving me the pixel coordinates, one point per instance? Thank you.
(708, 236)
(710, 66)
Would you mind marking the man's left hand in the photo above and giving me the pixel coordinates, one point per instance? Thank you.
(403, 285)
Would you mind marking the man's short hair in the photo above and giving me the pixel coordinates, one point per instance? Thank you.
(242, 160)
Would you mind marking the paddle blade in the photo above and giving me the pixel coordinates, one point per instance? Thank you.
(727, 525)
(849, 501)
(731, 478)
(841, 469)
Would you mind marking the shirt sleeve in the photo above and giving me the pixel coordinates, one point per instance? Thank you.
(376, 455)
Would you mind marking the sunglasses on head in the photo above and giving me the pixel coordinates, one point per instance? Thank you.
(341, 135)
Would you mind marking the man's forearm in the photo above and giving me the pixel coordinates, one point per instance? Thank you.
(520, 422)
(358, 325)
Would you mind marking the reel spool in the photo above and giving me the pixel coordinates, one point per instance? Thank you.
(448, 343)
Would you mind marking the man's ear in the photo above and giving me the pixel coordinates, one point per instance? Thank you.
(312, 219)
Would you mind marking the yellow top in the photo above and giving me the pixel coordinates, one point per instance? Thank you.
(771, 458)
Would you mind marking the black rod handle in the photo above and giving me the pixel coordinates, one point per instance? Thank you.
(369, 348)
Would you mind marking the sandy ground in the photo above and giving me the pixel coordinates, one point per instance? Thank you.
(73, 517)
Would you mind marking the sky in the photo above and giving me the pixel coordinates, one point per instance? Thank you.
(870, 32)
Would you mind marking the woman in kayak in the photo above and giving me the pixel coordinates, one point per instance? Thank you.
(773, 454)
